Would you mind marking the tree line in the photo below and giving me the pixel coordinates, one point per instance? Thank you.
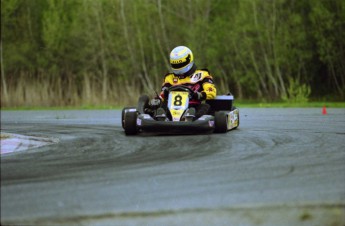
(94, 52)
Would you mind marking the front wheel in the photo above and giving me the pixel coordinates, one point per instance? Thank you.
(124, 112)
(130, 123)
(220, 122)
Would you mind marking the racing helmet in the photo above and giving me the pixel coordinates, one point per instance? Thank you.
(181, 60)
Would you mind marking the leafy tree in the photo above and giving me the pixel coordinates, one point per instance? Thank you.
(72, 52)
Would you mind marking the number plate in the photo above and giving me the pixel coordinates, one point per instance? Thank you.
(177, 103)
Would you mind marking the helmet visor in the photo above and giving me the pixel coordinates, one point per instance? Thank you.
(176, 64)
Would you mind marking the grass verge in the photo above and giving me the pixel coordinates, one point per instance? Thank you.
(245, 104)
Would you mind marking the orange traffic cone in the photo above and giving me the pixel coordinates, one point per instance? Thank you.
(324, 111)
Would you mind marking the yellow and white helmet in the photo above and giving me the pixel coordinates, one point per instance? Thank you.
(181, 60)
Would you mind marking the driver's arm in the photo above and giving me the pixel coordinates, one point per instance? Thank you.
(165, 86)
(209, 88)
(164, 91)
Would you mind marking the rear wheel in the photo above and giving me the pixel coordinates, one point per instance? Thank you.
(220, 122)
(130, 123)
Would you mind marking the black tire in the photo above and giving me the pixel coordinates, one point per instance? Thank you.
(123, 116)
(220, 122)
(130, 123)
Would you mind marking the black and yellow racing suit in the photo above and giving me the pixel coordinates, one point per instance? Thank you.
(200, 81)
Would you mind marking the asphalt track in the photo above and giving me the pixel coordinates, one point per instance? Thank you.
(280, 167)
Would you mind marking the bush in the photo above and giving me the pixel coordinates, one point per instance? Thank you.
(296, 92)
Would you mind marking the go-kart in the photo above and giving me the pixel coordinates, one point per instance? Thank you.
(222, 116)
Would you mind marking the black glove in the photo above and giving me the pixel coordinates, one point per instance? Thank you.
(155, 102)
(165, 92)
(199, 96)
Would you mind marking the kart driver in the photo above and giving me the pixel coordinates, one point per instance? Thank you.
(186, 73)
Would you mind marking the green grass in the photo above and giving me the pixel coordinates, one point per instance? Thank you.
(247, 104)
(238, 103)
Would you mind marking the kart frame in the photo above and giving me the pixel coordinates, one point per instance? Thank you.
(223, 117)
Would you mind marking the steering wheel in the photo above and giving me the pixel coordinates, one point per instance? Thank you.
(180, 88)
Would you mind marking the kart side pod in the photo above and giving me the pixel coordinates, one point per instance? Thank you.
(221, 103)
